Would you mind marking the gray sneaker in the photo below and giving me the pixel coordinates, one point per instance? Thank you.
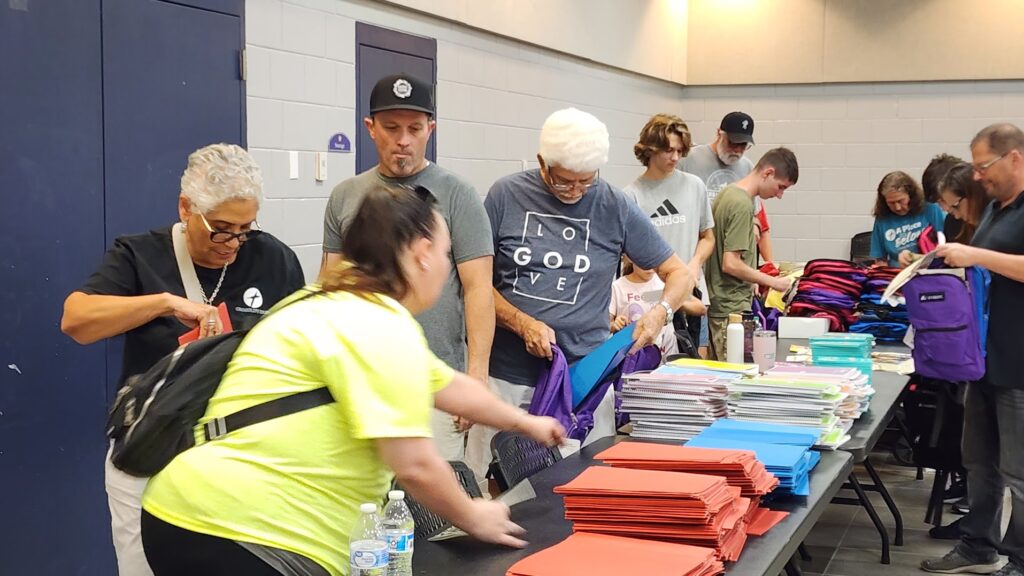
(1010, 569)
(955, 563)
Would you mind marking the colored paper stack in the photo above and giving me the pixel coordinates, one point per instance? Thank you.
(851, 381)
(829, 289)
(844, 351)
(675, 402)
(677, 507)
(778, 399)
(885, 322)
(784, 450)
(584, 553)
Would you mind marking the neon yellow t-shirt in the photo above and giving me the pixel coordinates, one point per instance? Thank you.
(296, 482)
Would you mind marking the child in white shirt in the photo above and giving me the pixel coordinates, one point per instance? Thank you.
(636, 293)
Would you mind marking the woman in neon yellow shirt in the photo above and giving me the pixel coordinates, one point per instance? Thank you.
(281, 496)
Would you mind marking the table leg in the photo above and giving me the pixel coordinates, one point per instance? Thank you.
(866, 503)
(804, 554)
(888, 501)
(793, 568)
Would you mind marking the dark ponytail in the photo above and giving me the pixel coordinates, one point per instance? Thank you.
(388, 220)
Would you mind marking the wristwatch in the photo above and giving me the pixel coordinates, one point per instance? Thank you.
(668, 311)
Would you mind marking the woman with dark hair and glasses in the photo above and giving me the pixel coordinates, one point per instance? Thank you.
(138, 292)
(901, 215)
(282, 496)
(965, 198)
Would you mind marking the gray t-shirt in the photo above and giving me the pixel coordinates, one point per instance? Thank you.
(556, 262)
(445, 323)
(703, 163)
(679, 208)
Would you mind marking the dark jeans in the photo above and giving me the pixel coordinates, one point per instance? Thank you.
(993, 454)
(173, 551)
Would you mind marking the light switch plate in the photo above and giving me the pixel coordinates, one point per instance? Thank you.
(293, 165)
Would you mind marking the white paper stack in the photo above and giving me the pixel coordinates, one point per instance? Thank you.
(671, 404)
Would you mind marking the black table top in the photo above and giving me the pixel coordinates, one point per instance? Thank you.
(546, 525)
(869, 427)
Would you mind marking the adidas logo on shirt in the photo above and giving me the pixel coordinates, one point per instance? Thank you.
(667, 214)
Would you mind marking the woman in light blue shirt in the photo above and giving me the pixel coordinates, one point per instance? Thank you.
(901, 216)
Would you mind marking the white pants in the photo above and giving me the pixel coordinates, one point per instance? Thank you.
(451, 444)
(478, 448)
(124, 496)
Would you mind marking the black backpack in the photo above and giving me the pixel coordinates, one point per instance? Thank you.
(155, 415)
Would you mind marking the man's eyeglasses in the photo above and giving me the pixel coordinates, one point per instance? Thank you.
(224, 236)
(560, 185)
(982, 168)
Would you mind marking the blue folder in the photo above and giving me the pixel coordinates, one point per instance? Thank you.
(593, 368)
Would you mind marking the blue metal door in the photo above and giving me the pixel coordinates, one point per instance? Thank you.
(52, 400)
(381, 52)
(100, 103)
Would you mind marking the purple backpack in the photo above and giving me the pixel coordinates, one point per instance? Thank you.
(947, 341)
(553, 394)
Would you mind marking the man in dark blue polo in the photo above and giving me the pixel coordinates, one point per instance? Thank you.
(993, 441)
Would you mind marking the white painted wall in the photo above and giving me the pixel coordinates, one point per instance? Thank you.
(493, 94)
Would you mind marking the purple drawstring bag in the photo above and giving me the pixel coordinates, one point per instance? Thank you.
(553, 393)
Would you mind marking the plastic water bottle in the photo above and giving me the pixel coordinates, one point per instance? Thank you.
(368, 549)
(399, 530)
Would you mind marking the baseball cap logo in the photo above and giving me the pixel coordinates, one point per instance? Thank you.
(745, 122)
(402, 88)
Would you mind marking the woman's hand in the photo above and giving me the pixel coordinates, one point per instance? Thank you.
(193, 314)
(906, 258)
(490, 521)
(542, 429)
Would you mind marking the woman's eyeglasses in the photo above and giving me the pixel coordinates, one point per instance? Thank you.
(225, 236)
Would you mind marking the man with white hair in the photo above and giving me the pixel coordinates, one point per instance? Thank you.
(559, 231)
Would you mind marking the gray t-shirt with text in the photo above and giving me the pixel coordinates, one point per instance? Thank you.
(556, 262)
(445, 323)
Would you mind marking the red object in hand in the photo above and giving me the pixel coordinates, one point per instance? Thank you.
(225, 323)
(770, 269)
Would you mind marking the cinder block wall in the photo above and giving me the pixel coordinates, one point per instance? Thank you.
(493, 94)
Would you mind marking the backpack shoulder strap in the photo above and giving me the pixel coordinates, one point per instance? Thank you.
(185, 267)
(283, 406)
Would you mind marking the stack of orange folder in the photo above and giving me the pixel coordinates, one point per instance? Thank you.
(740, 468)
(694, 509)
(601, 555)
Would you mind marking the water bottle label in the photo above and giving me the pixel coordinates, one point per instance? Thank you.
(365, 559)
(400, 543)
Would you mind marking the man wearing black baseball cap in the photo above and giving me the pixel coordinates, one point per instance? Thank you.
(400, 123)
(722, 162)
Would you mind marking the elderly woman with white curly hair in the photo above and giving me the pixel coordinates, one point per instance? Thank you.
(139, 291)
(559, 231)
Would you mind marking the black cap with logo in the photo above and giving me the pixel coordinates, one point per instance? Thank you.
(402, 92)
(739, 127)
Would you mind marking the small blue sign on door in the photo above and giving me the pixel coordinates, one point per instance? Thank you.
(339, 143)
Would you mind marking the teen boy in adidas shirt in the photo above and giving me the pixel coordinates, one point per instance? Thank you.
(677, 202)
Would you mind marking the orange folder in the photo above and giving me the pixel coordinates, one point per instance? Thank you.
(602, 555)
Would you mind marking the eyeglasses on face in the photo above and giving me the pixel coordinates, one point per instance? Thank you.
(225, 236)
(956, 205)
(559, 185)
(983, 167)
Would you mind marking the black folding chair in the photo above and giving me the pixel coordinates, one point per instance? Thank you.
(517, 458)
(860, 248)
(429, 524)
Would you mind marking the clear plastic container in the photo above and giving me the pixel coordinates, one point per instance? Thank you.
(368, 549)
(400, 532)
